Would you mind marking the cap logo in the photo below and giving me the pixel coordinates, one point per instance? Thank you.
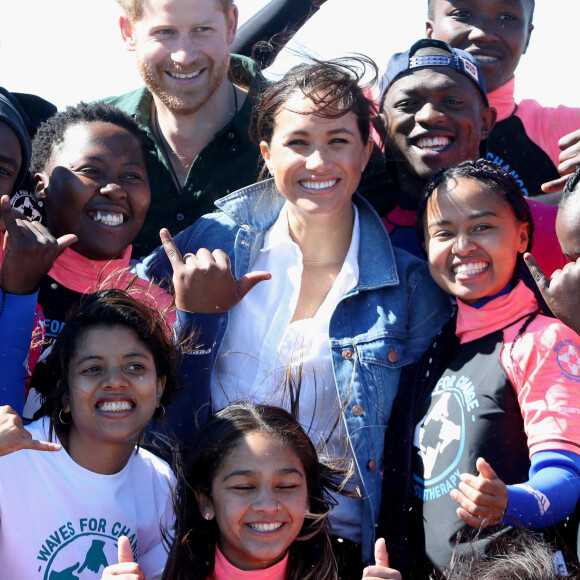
(456, 62)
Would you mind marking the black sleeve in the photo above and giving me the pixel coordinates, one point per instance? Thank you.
(265, 34)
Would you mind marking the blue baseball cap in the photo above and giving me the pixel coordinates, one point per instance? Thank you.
(403, 62)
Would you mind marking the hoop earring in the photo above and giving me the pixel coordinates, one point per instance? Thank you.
(63, 422)
(162, 409)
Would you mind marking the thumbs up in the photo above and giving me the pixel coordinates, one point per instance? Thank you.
(127, 568)
(381, 570)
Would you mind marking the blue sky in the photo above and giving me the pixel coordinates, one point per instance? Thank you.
(71, 50)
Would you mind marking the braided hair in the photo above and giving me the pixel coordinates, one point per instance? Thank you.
(494, 180)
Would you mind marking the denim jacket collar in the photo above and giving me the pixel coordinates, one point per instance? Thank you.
(256, 207)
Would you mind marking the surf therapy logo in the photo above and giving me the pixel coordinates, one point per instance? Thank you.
(568, 356)
(440, 436)
(82, 549)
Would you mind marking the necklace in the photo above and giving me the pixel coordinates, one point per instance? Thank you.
(167, 149)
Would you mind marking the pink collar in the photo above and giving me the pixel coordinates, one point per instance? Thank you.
(81, 274)
(223, 570)
(473, 323)
(503, 100)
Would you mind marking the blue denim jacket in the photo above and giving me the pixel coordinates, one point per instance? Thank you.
(384, 324)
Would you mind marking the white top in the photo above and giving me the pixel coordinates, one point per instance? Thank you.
(261, 345)
(59, 520)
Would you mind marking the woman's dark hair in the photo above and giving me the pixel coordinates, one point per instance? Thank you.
(494, 180)
(51, 133)
(193, 551)
(334, 86)
(105, 308)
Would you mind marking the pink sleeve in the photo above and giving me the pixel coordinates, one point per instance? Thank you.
(544, 367)
(546, 248)
(546, 125)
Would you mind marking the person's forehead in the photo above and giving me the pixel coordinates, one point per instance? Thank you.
(156, 8)
(8, 136)
(434, 4)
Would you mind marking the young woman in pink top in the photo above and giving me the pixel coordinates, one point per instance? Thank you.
(252, 503)
(492, 419)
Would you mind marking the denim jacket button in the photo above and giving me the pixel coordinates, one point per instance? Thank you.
(371, 465)
(347, 354)
(348, 301)
(357, 410)
(392, 356)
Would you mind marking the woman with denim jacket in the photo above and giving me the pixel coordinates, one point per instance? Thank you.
(343, 313)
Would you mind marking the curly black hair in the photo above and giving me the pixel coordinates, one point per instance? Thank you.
(494, 179)
(571, 187)
(51, 133)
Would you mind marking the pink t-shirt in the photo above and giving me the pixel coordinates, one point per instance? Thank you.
(544, 125)
(543, 366)
(223, 570)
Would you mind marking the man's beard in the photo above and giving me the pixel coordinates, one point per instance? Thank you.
(185, 100)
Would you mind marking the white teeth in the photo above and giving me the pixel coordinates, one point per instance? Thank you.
(433, 143)
(470, 268)
(485, 58)
(185, 76)
(266, 527)
(109, 219)
(115, 407)
(318, 184)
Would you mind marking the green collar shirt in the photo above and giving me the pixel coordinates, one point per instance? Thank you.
(229, 162)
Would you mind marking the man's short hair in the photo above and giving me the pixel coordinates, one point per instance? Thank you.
(431, 11)
(133, 9)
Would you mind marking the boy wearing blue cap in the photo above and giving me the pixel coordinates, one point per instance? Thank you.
(532, 142)
(435, 112)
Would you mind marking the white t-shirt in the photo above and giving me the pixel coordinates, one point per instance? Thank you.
(60, 521)
(261, 345)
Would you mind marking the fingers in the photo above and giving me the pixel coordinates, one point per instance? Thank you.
(124, 551)
(248, 281)
(66, 241)
(40, 445)
(485, 469)
(555, 185)
(381, 568)
(7, 213)
(14, 437)
(381, 556)
(482, 499)
(170, 248)
(542, 281)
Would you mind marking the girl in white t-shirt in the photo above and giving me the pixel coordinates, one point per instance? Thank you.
(62, 513)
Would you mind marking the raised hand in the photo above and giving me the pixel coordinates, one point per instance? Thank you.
(13, 435)
(483, 498)
(204, 282)
(381, 568)
(569, 159)
(127, 568)
(31, 250)
(561, 292)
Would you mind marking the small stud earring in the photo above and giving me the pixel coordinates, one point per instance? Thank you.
(207, 516)
(40, 203)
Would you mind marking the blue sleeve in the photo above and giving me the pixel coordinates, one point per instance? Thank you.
(551, 493)
(191, 403)
(17, 314)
